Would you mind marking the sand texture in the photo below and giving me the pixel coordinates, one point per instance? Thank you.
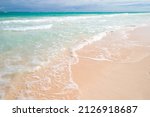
(125, 74)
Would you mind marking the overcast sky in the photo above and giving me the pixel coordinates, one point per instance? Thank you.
(75, 5)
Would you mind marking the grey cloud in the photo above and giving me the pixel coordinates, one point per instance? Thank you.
(75, 5)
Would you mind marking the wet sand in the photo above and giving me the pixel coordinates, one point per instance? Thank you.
(126, 76)
(123, 73)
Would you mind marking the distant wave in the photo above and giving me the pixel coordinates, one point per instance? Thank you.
(46, 19)
(27, 28)
(24, 21)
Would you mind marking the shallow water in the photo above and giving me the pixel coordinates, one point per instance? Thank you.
(38, 51)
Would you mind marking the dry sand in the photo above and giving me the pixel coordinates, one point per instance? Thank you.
(115, 79)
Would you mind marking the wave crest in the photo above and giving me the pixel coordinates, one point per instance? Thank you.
(28, 28)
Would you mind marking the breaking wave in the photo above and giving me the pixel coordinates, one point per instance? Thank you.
(27, 28)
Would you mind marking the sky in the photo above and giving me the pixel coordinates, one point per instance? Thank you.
(74, 5)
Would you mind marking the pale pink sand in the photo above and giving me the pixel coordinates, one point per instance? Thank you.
(115, 79)
(126, 76)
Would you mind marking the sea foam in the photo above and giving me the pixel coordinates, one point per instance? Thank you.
(28, 28)
(41, 40)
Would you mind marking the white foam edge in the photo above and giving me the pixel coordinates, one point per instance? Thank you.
(27, 28)
(100, 36)
(45, 19)
(84, 43)
(95, 59)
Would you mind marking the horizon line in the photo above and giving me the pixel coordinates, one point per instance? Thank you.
(74, 11)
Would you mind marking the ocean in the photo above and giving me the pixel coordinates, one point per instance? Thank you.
(38, 49)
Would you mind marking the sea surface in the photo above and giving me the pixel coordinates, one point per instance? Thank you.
(38, 49)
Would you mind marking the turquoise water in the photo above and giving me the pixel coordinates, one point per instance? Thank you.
(32, 40)
(57, 14)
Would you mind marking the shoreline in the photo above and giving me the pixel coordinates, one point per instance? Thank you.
(89, 76)
(125, 75)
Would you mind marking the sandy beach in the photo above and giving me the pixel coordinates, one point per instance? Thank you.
(116, 66)
(124, 73)
(125, 76)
